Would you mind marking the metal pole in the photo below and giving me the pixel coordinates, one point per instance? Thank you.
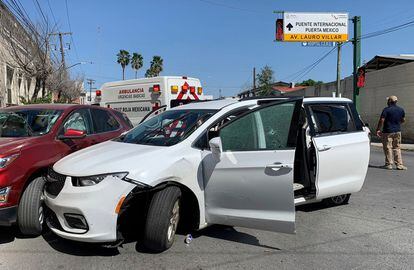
(338, 71)
(90, 82)
(357, 57)
(254, 79)
(62, 51)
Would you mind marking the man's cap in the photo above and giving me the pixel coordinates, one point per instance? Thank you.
(392, 98)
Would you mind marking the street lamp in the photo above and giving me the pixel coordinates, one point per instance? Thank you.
(80, 63)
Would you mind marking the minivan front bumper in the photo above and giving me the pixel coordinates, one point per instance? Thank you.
(93, 205)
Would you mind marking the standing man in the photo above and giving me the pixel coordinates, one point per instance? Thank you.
(389, 130)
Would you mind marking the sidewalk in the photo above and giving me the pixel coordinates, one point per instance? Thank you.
(405, 147)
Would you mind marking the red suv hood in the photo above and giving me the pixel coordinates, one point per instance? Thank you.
(12, 145)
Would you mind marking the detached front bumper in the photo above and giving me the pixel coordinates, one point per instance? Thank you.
(8, 216)
(93, 205)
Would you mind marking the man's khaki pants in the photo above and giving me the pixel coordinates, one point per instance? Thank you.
(391, 145)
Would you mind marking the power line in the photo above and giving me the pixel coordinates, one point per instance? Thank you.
(51, 12)
(40, 10)
(230, 7)
(303, 72)
(388, 30)
(71, 36)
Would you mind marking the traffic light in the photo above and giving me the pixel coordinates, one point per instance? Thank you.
(361, 77)
(279, 30)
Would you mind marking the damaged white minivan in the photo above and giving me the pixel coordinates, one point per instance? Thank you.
(233, 162)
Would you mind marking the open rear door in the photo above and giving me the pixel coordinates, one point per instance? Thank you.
(342, 149)
(249, 182)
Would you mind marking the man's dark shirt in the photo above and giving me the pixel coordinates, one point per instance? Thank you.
(393, 116)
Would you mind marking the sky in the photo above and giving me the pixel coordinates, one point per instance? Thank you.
(217, 41)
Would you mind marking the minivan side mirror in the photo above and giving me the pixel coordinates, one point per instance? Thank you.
(72, 134)
(215, 146)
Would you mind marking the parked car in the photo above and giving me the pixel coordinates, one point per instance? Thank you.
(240, 163)
(32, 138)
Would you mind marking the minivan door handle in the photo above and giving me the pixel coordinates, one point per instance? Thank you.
(278, 166)
(325, 147)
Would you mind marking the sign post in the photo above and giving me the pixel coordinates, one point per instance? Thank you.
(357, 58)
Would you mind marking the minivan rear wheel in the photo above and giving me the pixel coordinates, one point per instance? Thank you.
(162, 219)
(30, 215)
(337, 200)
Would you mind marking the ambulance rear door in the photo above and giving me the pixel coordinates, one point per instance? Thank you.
(183, 90)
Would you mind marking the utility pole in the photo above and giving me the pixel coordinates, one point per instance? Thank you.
(254, 79)
(338, 71)
(62, 49)
(357, 57)
(91, 83)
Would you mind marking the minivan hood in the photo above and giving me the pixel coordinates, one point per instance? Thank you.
(109, 157)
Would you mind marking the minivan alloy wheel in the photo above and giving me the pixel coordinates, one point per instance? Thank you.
(339, 199)
(175, 217)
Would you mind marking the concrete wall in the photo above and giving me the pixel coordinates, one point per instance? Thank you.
(397, 80)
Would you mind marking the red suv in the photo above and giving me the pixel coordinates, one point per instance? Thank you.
(33, 138)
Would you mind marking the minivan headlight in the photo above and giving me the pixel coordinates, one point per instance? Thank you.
(95, 179)
(4, 161)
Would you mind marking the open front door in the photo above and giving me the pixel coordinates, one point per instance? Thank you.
(249, 180)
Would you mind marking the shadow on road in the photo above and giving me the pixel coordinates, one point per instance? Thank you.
(9, 234)
(77, 248)
(230, 234)
(315, 207)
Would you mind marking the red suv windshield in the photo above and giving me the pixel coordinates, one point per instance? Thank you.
(25, 123)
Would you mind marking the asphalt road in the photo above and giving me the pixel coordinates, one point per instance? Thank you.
(374, 231)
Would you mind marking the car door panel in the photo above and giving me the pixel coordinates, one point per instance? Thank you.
(342, 163)
(251, 183)
(341, 146)
(243, 189)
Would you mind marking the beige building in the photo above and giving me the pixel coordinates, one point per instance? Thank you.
(13, 83)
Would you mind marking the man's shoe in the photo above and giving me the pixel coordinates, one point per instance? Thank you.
(387, 167)
(401, 167)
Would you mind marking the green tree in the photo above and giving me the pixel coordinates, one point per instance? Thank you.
(137, 61)
(310, 82)
(265, 80)
(156, 67)
(123, 58)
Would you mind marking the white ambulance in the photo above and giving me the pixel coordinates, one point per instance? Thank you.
(136, 98)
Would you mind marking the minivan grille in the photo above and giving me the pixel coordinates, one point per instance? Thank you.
(54, 182)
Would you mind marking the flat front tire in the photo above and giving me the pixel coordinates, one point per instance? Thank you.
(30, 214)
(162, 219)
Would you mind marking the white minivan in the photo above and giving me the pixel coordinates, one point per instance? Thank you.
(233, 162)
(137, 97)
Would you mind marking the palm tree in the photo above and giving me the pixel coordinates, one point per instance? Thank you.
(123, 59)
(136, 62)
(156, 67)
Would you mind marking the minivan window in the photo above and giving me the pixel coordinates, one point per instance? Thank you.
(332, 118)
(24, 123)
(265, 129)
(167, 128)
(103, 121)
